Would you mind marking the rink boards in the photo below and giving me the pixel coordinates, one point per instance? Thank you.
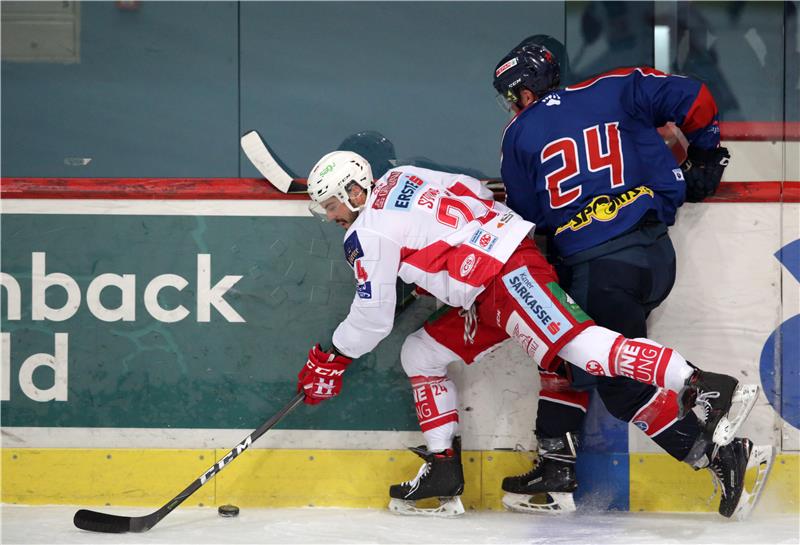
(138, 389)
(333, 478)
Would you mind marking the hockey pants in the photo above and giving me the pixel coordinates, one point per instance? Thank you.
(619, 290)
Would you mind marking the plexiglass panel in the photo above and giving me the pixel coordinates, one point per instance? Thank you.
(154, 93)
(420, 73)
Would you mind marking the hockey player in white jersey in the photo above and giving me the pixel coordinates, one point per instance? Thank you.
(444, 233)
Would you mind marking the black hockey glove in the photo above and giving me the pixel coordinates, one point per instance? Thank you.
(703, 170)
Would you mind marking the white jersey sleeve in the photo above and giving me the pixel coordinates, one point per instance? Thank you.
(375, 259)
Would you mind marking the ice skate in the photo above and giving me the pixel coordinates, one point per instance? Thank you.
(441, 476)
(728, 469)
(717, 393)
(548, 487)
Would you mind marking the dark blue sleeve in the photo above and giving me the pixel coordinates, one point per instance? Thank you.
(518, 170)
(685, 101)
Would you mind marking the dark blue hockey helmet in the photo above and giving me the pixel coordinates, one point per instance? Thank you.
(374, 147)
(556, 48)
(529, 65)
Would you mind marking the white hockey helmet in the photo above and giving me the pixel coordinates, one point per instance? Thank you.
(333, 174)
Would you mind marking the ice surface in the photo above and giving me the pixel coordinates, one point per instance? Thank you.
(53, 524)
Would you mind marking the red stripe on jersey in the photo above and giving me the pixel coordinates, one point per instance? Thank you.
(702, 112)
(440, 256)
(618, 73)
(485, 267)
(460, 190)
(484, 270)
(432, 258)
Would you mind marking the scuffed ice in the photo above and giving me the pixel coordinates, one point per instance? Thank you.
(53, 524)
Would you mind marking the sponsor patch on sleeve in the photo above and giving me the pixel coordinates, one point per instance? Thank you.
(382, 190)
(402, 197)
(364, 290)
(352, 248)
(538, 304)
(483, 240)
(568, 303)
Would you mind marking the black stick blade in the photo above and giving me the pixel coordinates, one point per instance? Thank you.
(101, 522)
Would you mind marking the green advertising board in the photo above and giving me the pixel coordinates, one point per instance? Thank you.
(177, 321)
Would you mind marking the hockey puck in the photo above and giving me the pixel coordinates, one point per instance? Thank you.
(228, 510)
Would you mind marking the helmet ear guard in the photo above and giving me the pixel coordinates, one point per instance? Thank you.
(333, 174)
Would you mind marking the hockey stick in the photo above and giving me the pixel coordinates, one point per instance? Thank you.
(95, 521)
(258, 153)
(262, 159)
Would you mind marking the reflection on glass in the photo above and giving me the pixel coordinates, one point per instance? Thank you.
(738, 49)
(606, 35)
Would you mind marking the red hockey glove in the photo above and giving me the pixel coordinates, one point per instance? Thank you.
(321, 376)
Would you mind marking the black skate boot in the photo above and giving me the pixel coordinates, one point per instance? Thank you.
(728, 468)
(717, 393)
(441, 476)
(548, 487)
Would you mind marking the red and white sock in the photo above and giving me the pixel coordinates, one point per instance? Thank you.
(436, 400)
(600, 351)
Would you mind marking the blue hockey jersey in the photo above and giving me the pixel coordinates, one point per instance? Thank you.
(586, 162)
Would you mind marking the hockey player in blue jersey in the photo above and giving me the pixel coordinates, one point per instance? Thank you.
(587, 165)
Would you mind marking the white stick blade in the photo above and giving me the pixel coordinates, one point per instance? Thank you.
(263, 160)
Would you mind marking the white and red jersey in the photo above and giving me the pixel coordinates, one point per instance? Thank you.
(440, 231)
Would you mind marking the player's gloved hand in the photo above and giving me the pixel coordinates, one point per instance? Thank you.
(321, 376)
(703, 170)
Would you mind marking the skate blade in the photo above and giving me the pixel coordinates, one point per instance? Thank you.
(761, 457)
(448, 507)
(553, 503)
(746, 395)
